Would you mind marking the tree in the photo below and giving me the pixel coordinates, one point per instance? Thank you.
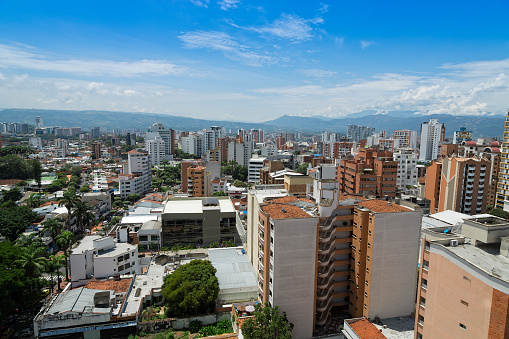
(32, 240)
(53, 226)
(191, 290)
(498, 212)
(65, 241)
(303, 168)
(32, 262)
(238, 172)
(69, 200)
(14, 220)
(267, 324)
(14, 194)
(53, 265)
(219, 194)
(36, 171)
(85, 189)
(34, 201)
(133, 197)
(84, 215)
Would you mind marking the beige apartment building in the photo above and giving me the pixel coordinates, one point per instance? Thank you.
(335, 253)
(464, 281)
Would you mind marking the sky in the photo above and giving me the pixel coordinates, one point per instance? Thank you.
(256, 60)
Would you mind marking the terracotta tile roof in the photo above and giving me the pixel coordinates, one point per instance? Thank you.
(291, 211)
(9, 181)
(289, 199)
(118, 286)
(382, 206)
(366, 330)
(345, 196)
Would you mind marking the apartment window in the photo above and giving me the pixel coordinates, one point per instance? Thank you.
(467, 278)
(426, 245)
(425, 265)
(358, 263)
(464, 303)
(365, 306)
(369, 245)
(357, 275)
(463, 326)
(359, 251)
(367, 283)
(368, 257)
(421, 320)
(424, 283)
(422, 302)
(367, 270)
(369, 232)
(354, 236)
(366, 294)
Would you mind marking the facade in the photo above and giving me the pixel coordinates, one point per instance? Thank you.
(60, 148)
(101, 257)
(168, 137)
(96, 150)
(462, 135)
(459, 184)
(254, 167)
(357, 133)
(239, 151)
(96, 132)
(38, 122)
(156, 150)
(432, 135)
(503, 175)
(137, 178)
(407, 170)
(193, 144)
(198, 221)
(407, 139)
(296, 184)
(371, 172)
(464, 285)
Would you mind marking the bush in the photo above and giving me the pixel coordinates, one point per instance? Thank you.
(195, 326)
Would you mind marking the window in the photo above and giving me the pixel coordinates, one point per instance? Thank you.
(425, 265)
(426, 245)
(464, 303)
(422, 302)
(421, 320)
(367, 283)
(366, 294)
(368, 258)
(463, 326)
(424, 284)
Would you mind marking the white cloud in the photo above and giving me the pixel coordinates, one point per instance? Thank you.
(220, 41)
(317, 73)
(288, 26)
(365, 43)
(478, 68)
(228, 4)
(200, 3)
(18, 58)
(324, 8)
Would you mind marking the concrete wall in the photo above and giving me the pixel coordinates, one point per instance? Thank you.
(392, 287)
(293, 273)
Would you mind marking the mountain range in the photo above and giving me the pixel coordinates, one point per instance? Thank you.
(481, 126)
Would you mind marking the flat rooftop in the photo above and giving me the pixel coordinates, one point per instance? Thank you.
(86, 244)
(486, 258)
(194, 206)
(76, 301)
(284, 211)
(234, 269)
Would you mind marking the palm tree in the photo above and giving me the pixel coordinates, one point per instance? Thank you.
(32, 262)
(53, 226)
(53, 265)
(69, 200)
(34, 201)
(31, 240)
(84, 215)
(65, 241)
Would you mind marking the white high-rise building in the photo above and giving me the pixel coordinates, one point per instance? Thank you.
(407, 139)
(60, 148)
(193, 144)
(35, 142)
(432, 135)
(407, 170)
(240, 152)
(155, 149)
(137, 178)
(38, 122)
(503, 174)
(167, 135)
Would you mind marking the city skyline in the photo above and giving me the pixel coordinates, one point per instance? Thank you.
(233, 60)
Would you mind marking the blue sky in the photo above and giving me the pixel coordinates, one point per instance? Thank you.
(255, 61)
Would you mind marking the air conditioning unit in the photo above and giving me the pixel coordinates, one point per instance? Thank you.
(454, 242)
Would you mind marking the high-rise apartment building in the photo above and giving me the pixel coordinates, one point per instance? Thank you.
(462, 135)
(463, 287)
(137, 178)
(503, 175)
(130, 139)
(193, 144)
(371, 172)
(167, 135)
(38, 122)
(432, 135)
(458, 184)
(239, 151)
(96, 150)
(96, 132)
(60, 148)
(357, 133)
(156, 150)
(407, 139)
(407, 176)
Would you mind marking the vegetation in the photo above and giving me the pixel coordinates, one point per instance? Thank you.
(303, 168)
(222, 327)
(219, 194)
(166, 176)
(15, 167)
(238, 172)
(14, 220)
(498, 212)
(69, 200)
(182, 155)
(191, 290)
(65, 241)
(133, 197)
(267, 324)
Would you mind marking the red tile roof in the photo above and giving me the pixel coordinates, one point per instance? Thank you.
(366, 330)
(289, 199)
(382, 206)
(118, 286)
(350, 196)
(9, 181)
(282, 211)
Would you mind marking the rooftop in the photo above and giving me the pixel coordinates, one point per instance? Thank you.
(234, 269)
(382, 206)
(486, 258)
(283, 211)
(119, 286)
(288, 199)
(78, 300)
(364, 329)
(194, 206)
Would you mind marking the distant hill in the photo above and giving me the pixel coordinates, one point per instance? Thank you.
(482, 126)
